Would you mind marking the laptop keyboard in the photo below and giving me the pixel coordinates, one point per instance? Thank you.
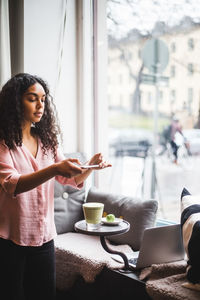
(133, 261)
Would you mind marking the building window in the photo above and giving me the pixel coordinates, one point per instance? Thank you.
(173, 71)
(190, 99)
(121, 100)
(190, 69)
(122, 57)
(190, 44)
(131, 99)
(172, 96)
(149, 97)
(173, 47)
(190, 95)
(109, 99)
(128, 55)
(160, 96)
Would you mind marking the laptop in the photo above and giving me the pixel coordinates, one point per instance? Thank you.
(159, 245)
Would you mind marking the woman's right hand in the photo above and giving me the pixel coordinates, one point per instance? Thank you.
(67, 168)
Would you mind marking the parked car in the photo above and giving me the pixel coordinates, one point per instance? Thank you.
(131, 142)
(193, 138)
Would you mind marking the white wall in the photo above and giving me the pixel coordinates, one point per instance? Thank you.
(74, 98)
(43, 20)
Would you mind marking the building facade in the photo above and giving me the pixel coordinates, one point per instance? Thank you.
(180, 96)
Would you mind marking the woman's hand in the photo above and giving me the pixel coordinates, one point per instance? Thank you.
(98, 159)
(67, 167)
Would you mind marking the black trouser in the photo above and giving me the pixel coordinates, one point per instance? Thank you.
(27, 272)
(174, 149)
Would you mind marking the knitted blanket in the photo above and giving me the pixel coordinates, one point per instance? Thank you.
(80, 254)
(168, 282)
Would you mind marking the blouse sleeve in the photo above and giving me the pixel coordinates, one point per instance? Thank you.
(8, 174)
(63, 180)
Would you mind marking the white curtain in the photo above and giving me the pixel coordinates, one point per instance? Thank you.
(5, 63)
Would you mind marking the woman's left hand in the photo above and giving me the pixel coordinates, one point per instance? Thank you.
(98, 159)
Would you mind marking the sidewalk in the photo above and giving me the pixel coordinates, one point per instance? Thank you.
(171, 180)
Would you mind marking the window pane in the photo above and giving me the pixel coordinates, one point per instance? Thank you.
(190, 44)
(140, 108)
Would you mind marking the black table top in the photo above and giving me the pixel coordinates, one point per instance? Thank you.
(104, 230)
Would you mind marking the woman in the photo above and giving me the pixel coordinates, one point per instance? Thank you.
(30, 160)
(175, 127)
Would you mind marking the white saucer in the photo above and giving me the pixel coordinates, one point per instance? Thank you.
(115, 222)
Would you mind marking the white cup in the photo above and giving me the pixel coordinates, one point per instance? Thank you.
(93, 212)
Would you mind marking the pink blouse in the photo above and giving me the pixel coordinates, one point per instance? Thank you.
(27, 218)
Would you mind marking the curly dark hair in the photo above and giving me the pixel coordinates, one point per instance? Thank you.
(11, 113)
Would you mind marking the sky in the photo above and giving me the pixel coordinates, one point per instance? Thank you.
(143, 14)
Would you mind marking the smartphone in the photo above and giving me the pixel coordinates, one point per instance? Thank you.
(89, 166)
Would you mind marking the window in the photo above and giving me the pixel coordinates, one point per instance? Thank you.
(172, 71)
(173, 47)
(140, 120)
(121, 100)
(160, 96)
(120, 78)
(122, 57)
(190, 44)
(190, 100)
(190, 69)
(127, 55)
(190, 95)
(149, 97)
(173, 96)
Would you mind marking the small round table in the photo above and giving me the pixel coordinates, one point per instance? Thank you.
(102, 232)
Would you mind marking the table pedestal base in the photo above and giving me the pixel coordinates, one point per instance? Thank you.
(124, 257)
